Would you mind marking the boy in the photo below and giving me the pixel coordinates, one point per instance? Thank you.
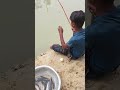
(75, 47)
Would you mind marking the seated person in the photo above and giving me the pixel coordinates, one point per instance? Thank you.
(75, 47)
(102, 55)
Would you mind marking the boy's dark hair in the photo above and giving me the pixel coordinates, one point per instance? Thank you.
(78, 17)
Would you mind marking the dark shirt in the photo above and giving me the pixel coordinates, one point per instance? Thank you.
(103, 42)
(77, 44)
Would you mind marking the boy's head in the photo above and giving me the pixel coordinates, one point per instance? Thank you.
(77, 19)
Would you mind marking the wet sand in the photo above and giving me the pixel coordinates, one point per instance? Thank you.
(13, 79)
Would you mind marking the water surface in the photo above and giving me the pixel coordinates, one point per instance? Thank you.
(48, 16)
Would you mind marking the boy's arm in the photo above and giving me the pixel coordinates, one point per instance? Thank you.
(64, 45)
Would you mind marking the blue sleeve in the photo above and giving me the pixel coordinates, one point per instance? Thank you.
(71, 42)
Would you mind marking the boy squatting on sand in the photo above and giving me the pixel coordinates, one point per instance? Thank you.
(75, 47)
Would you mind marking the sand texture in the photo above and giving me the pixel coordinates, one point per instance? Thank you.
(72, 72)
(18, 77)
(108, 82)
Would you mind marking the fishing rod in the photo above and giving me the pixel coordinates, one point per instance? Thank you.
(64, 12)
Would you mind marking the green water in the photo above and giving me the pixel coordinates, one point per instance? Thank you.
(48, 16)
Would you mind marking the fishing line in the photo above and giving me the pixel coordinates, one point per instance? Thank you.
(64, 12)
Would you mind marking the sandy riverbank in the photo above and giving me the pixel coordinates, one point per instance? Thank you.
(71, 73)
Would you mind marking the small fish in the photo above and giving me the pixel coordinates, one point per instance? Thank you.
(49, 85)
(53, 85)
(40, 85)
(37, 87)
(41, 79)
(44, 78)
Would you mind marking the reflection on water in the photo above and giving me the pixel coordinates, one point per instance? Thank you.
(47, 2)
(40, 3)
(48, 16)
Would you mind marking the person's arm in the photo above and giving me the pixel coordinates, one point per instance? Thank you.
(64, 45)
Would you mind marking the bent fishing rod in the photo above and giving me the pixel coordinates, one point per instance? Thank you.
(64, 12)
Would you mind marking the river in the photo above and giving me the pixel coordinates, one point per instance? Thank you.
(48, 16)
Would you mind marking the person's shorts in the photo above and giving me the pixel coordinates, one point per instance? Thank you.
(58, 48)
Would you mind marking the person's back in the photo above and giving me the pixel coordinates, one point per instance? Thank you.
(105, 52)
(102, 42)
(77, 44)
